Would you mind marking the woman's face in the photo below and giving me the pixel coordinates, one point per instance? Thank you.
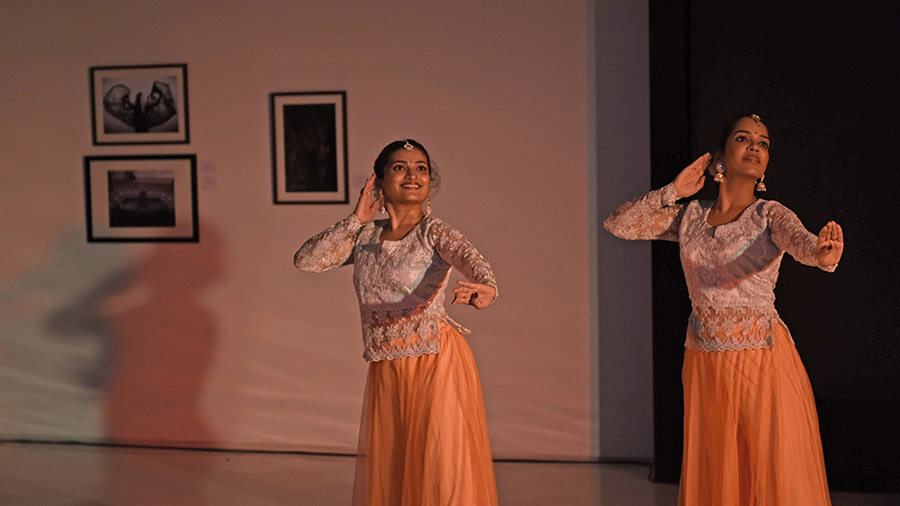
(747, 150)
(407, 177)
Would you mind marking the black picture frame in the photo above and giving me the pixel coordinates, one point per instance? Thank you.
(139, 104)
(141, 198)
(309, 147)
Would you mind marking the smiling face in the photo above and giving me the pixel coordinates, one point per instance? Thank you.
(407, 177)
(746, 152)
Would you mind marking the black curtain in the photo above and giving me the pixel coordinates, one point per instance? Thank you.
(824, 81)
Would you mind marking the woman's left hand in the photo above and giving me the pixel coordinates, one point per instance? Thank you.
(830, 245)
(474, 294)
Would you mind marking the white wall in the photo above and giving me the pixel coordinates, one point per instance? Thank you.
(622, 156)
(223, 343)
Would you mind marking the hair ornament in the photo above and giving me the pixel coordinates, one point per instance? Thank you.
(755, 118)
(409, 147)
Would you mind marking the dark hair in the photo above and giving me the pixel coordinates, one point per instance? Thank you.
(385, 156)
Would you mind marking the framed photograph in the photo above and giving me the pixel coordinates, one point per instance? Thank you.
(144, 104)
(309, 147)
(141, 198)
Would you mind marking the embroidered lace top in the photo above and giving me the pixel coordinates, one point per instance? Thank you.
(400, 284)
(730, 269)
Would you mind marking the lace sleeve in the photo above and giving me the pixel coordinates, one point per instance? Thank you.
(652, 216)
(333, 247)
(790, 235)
(457, 251)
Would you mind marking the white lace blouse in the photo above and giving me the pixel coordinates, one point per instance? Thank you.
(730, 269)
(400, 284)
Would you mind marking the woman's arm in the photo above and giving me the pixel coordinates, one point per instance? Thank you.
(791, 236)
(651, 216)
(655, 215)
(455, 249)
(333, 247)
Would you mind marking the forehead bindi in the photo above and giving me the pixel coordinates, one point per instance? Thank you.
(749, 126)
(409, 157)
(756, 133)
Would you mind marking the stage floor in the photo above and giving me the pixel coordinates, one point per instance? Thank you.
(73, 475)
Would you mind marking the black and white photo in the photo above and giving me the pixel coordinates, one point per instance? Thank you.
(139, 104)
(141, 198)
(309, 150)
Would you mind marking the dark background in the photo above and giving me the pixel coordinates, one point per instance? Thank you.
(824, 82)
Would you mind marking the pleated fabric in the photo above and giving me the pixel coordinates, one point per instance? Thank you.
(751, 433)
(423, 436)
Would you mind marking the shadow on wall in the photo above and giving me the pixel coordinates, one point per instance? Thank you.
(164, 343)
(96, 346)
(54, 343)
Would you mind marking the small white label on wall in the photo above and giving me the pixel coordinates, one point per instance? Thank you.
(207, 176)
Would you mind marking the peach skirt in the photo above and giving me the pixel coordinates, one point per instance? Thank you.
(423, 440)
(751, 433)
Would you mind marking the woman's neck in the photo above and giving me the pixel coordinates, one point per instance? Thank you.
(404, 216)
(735, 195)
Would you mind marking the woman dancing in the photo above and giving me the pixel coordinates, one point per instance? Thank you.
(751, 433)
(423, 437)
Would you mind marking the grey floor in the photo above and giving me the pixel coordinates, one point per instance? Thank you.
(56, 475)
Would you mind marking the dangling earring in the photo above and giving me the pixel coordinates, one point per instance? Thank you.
(428, 205)
(720, 173)
(380, 198)
(760, 186)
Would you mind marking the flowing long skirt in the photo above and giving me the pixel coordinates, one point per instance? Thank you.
(751, 433)
(423, 439)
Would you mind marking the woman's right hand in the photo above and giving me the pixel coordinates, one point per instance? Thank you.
(365, 207)
(691, 179)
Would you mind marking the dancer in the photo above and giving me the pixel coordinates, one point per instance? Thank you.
(423, 436)
(751, 434)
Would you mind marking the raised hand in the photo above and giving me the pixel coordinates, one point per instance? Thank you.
(365, 206)
(691, 178)
(474, 294)
(830, 244)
